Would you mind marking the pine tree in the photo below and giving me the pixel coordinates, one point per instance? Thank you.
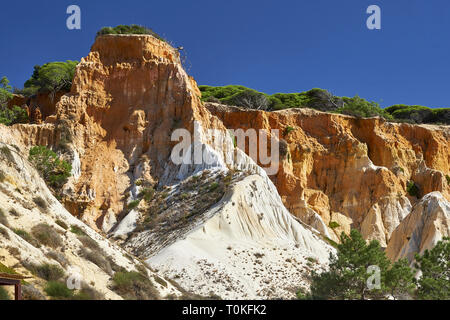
(434, 264)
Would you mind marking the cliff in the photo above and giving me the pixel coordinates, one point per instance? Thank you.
(226, 225)
(350, 171)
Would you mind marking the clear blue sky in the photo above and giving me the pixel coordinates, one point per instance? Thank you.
(271, 46)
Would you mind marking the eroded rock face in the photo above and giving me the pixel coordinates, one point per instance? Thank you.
(130, 93)
(26, 203)
(357, 168)
(427, 224)
(127, 97)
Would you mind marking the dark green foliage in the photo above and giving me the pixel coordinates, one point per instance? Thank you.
(40, 202)
(4, 233)
(131, 29)
(88, 242)
(88, 293)
(27, 237)
(448, 179)
(51, 78)
(147, 194)
(347, 276)
(323, 100)
(14, 115)
(5, 92)
(333, 225)
(412, 189)
(4, 294)
(249, 99)
(49, 272)
(77, 230)
(10, 116)
(97, 257)
(46, 235)
(435, 266)
(54, 171)
(419, 114)
(133, 204)
(7, 153)
(58, 290)
(134, 286)
(288, 130)
(400, 279)
(62, 224)
(362, 108)
(29, 292)
(3, 219)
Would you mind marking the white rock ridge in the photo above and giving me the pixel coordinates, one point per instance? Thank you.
(427, 224)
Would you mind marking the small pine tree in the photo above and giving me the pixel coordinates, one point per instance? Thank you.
(348, 274)
(434, 284)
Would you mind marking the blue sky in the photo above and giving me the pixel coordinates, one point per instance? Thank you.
(271, 46)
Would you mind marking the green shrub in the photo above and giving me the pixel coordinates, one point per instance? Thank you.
(362, 108)
(58, 290)
(27, 237)
(134, 286)
(7, 153)
(419, 114)
(97, 257)
(77, 230)
(88, 293)
(4, 294)
(4, 233)
(434, 264)
(10, 116)
(54, 171)
(288, 130)
(51, 78)
(334, 225)
(5, 92)
(49, 272)
(131, 29)
(14, 115)
(58, 257)
(412, 189)
(88, 242)
(3, 219)
(40, 202)
(5, 269)
(29, 292)
(133, 204)
(46, 235)
(347, 276)
(448, 179)
(147, 194)
(62, 224)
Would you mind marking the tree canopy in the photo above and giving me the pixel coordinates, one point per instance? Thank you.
(434, 264)
(54, 171)
(10, 116)
(51, 77)
(128, 29)
(324, 100)
(348, 274)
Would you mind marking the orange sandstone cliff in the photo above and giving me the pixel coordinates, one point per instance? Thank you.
(131, 92)
(351, 171)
